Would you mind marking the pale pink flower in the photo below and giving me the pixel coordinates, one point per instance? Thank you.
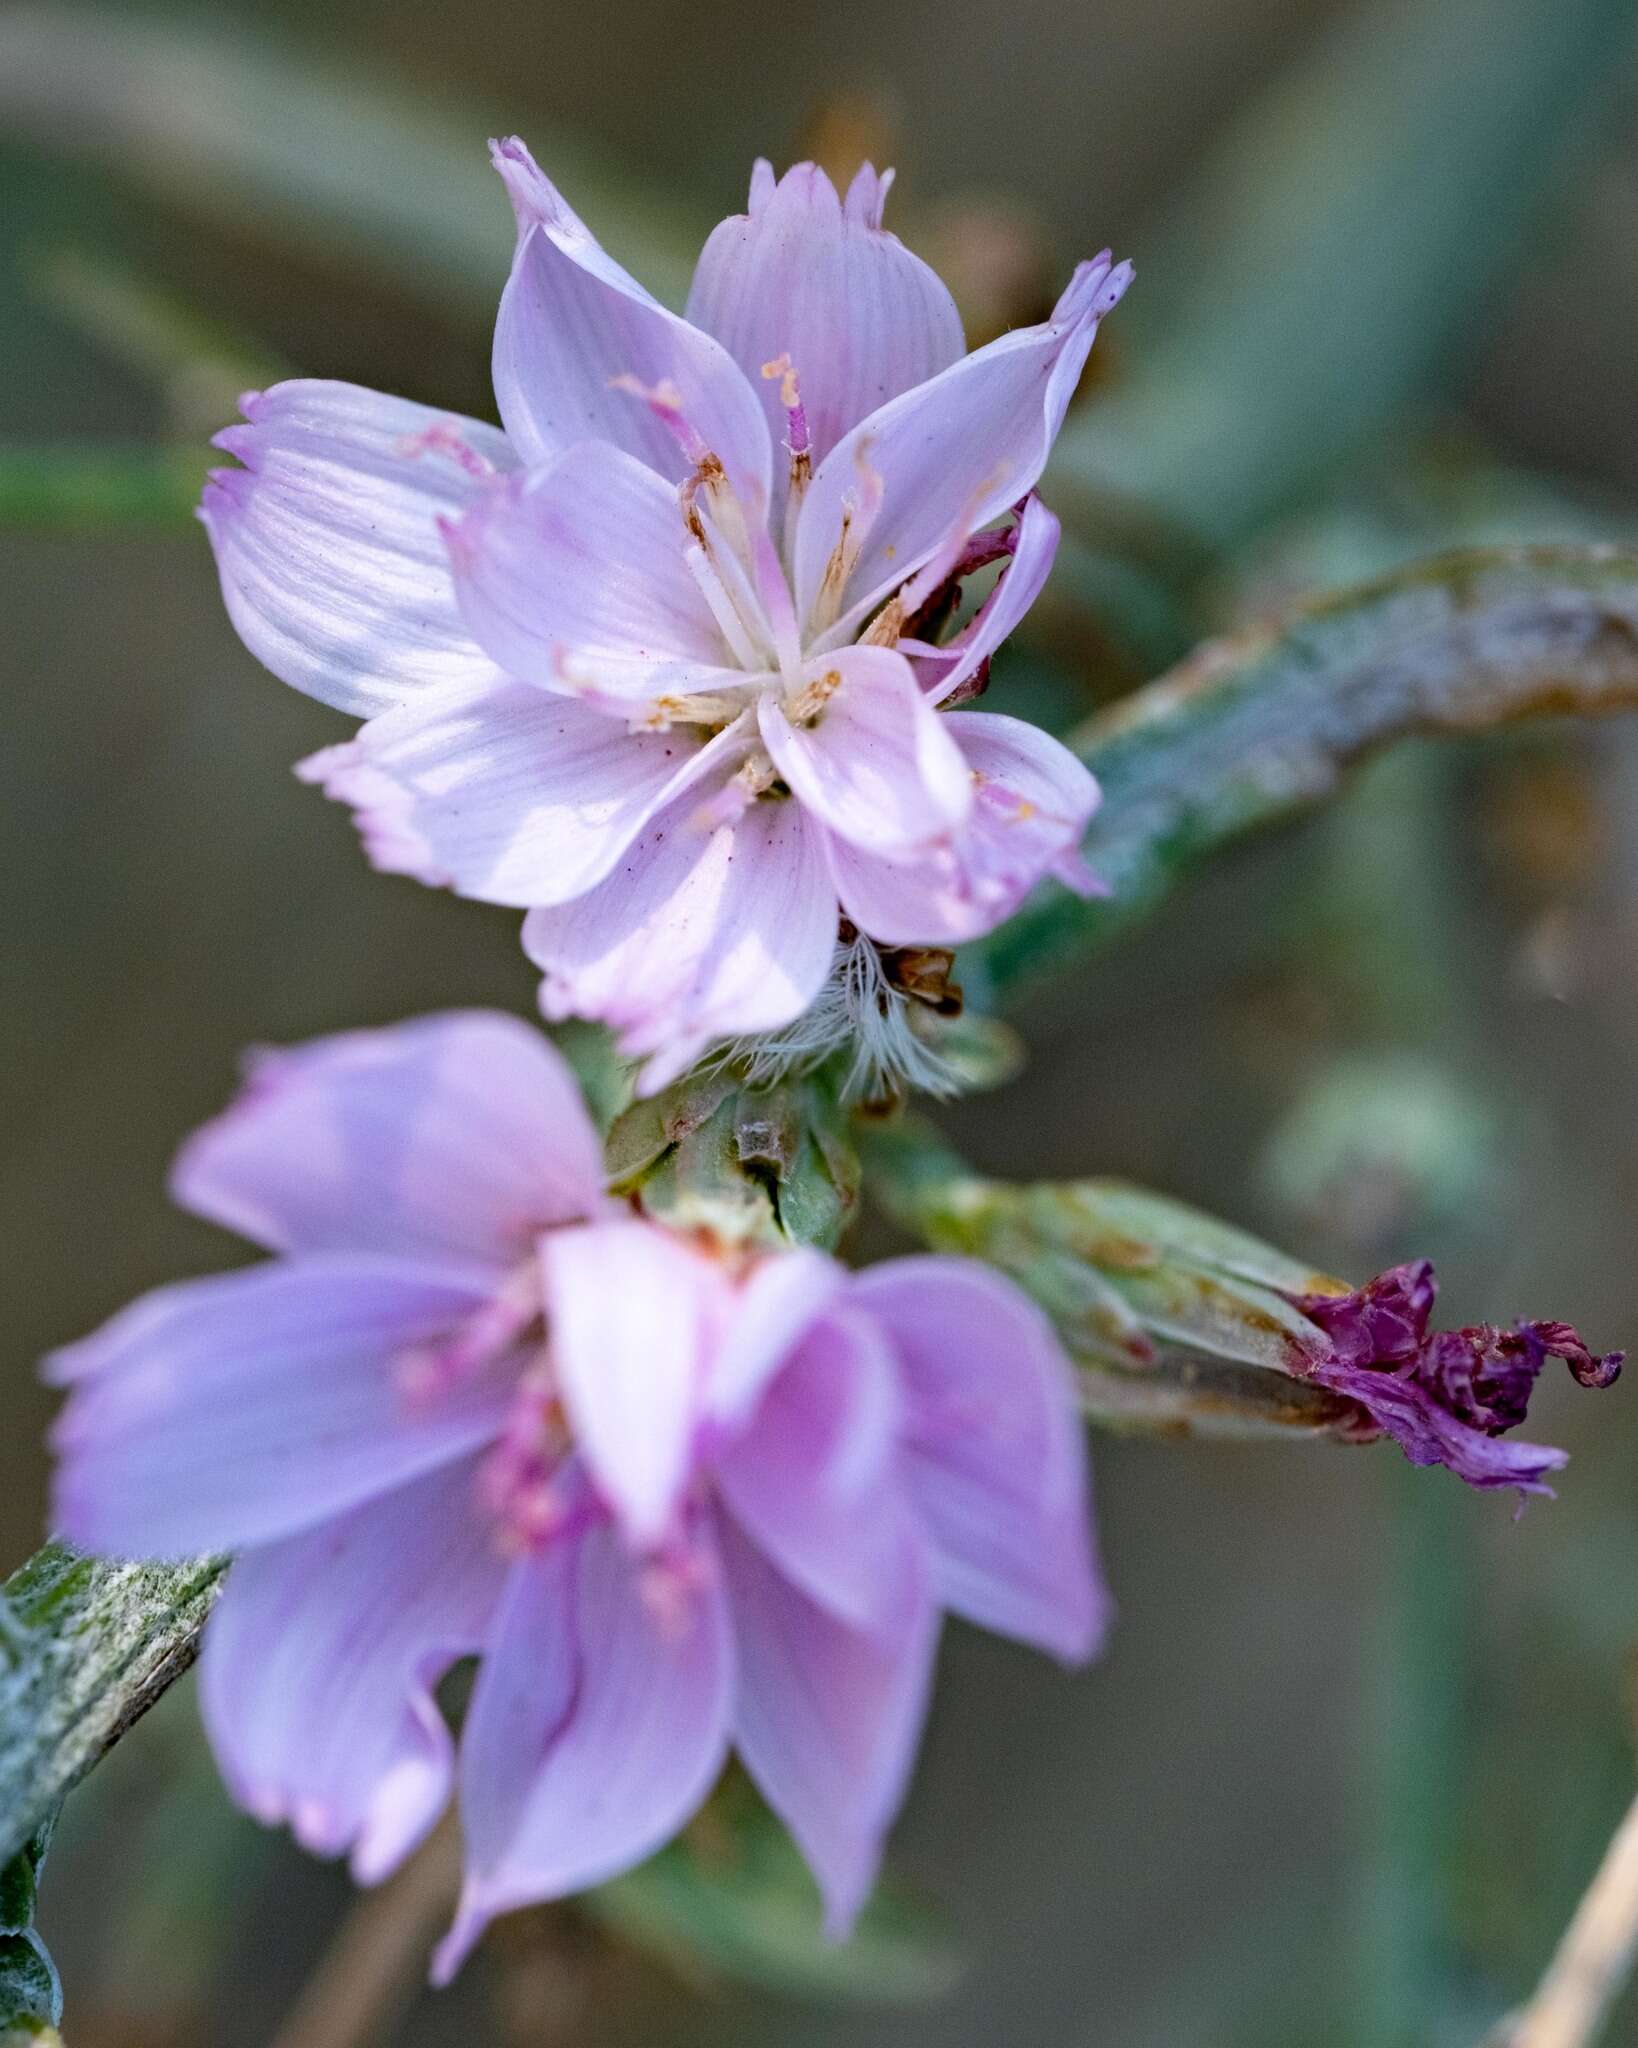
(651, 663)
(676, 1497)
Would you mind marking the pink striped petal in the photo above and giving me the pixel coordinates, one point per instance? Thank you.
(510, 795)
(804, 279)
(453, 1137)
(779, 1302)
(258, 1405)
(994, 1454)
(333, 569)
(598, 1724)
(950, 456)
(701, 932)
(1031, 803)
(814, 1481)
(573, 324)
(875, 763)
(574, 577)
(633, 1312)
(319, 1664)
(827, 1717)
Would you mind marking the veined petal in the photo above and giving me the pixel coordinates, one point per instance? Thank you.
(821, 287)
(702, 931)
(572, 323)
(320, 1659)
(510, 795)
(633, 1312)
(333, 569)
(1031, 803)
(574, 577)
(455, 1137)
(1020, 583)
(258, 1404)
(598, 1724)
(827, 1717)
(814, 1481)
(772, 1312)
(994, 1455)
(952, 454)
(873, 762)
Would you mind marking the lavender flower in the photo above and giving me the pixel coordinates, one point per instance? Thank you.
(676, 1496)
(1444, 1397)
(651, 663)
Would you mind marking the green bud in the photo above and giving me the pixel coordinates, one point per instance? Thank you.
(1176, 1321)
(771, 1165)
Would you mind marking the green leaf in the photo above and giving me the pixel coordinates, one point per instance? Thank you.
(86, 1647)
(1330, 255)
(30, 1990)
(734, 1894)
(228, 127)
(1251, 730)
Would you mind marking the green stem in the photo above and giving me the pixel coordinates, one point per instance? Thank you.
(1253, 730)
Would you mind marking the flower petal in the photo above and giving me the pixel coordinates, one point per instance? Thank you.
(1032, 801)
(855, 315)
(1034, 550)
(814, 1480)
(253, 1405)
(333, 569)
(598, 1724)
(575, 577)
(995, 1459)
(875, 763)
(453, 1137)
(702, 931)
(320, 1659)
(951, 455)
(510, 795)
(573, 326)
(633, 1312)
(773, 1310)
(827, 1717)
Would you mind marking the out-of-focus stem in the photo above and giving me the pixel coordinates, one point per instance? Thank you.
(372, 1970)
(1592, 1962)
(1254, 729)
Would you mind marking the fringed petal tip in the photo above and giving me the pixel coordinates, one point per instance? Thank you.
(383, 811)
(807, 185)
(535, 199)
(1095, 289)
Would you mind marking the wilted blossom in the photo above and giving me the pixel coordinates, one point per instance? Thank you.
(674, 1496)
(654, 663)
(1446, 1397)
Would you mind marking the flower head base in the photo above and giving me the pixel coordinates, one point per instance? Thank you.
(660, 663)
(1445, 1396)
(676, 1496)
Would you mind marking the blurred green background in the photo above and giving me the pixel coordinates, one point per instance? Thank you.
(1359, 1737)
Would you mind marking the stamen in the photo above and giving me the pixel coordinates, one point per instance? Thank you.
(427, 1371)
(859, 510)
(444, 437)
(806, 703)
(752, 778)
(665, 401)
(798, 443)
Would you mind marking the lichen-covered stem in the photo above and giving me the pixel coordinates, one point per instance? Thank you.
(86, 1647)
